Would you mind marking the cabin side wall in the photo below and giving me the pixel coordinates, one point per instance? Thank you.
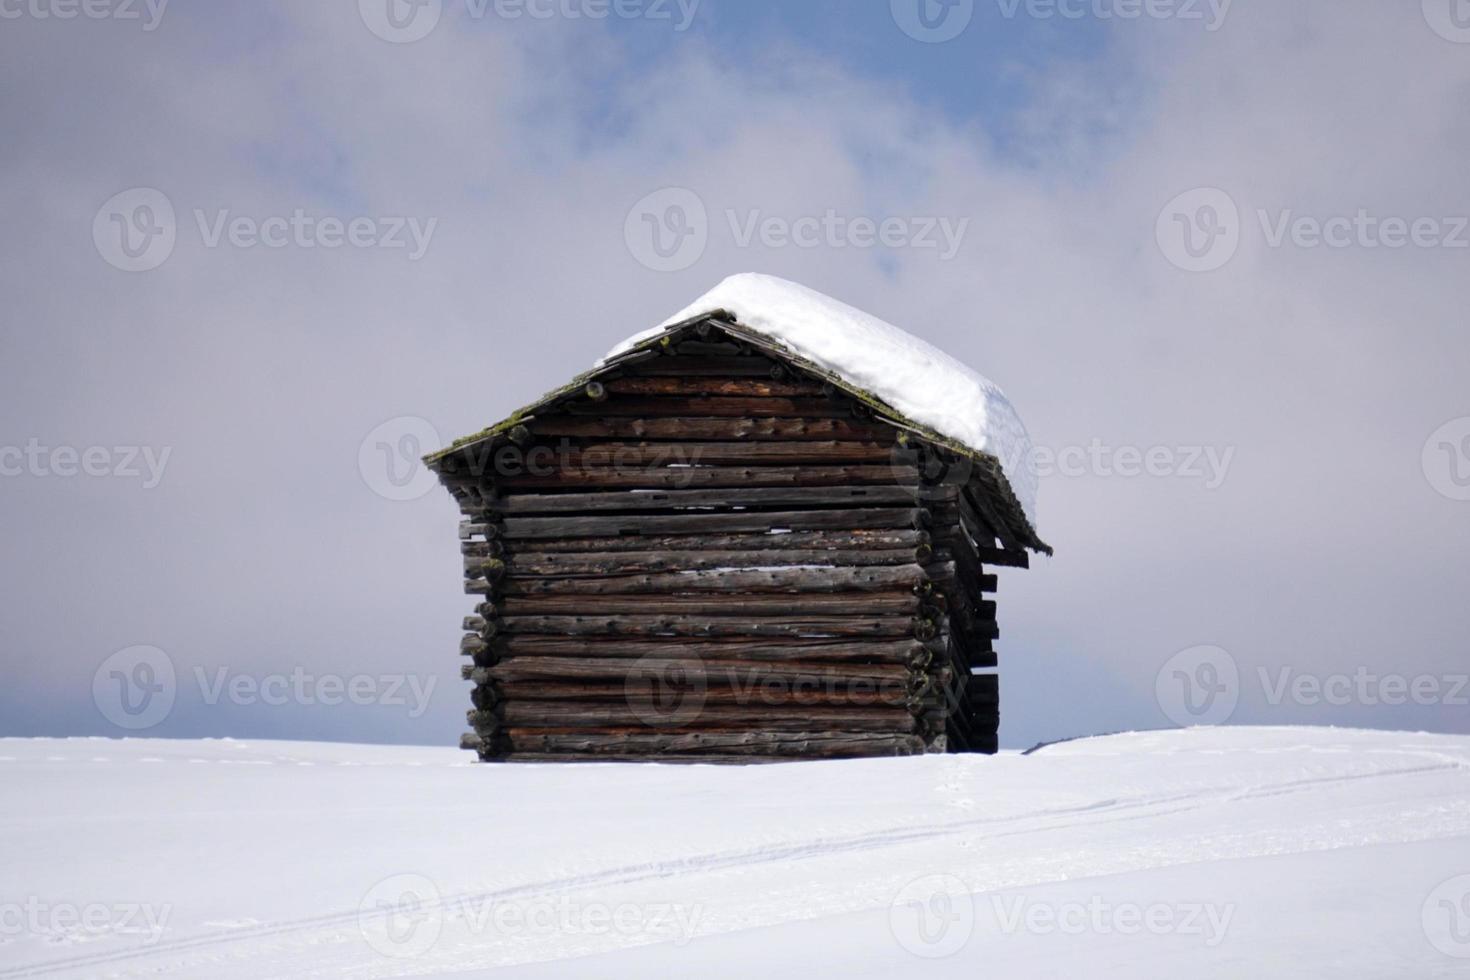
(708, 556)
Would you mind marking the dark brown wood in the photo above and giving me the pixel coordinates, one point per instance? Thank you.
(819, 452)
(712, 407)
(676, 716)
(740, 387)
(535, 745)
(710, 672)
(634, 625)
(704, 521)
(804, 650)
(691, 366)
(697, 428)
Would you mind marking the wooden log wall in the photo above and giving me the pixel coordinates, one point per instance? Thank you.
(708, 556)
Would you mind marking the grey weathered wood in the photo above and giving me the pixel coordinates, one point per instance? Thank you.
(710, 671)
(634, 625)
(613, 624)
(531, 744)
(532, 714)
(694, 477)
(880, 539)
(880, 579)
(808, 520)
(583, 564)
(664, 500)
(909, 653)
(713, 604)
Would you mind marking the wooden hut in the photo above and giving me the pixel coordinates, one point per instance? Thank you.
(764, 530)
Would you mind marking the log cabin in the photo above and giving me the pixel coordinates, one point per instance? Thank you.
(764, 530)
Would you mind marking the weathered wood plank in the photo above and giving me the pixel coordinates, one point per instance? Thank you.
(746, 497)
(675, 717)
(713, 604)
(689, 365)
(804, 650)
(635, 625)
(711, 407)
(694, 385)
(691, 477)
(532, 744)
(808, 520)
(629, 562)
(694, 427)
(693, 451)
(885, 578)
(881, 540)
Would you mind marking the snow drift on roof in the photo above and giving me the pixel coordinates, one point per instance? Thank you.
(922, 382)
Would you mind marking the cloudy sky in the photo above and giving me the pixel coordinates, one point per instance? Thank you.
(246, 243)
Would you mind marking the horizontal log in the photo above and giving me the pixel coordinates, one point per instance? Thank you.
(775, 694)
(805, 744)
(712, 407)
(628, 562)
(801, 520)
(634, 625)
(805, 650)
(689, 365)
(885, 578)
(696, 385)
(695, 477)
(687, 428)
(901, 538)
(676, 717)
(998, 556)
(572, 456)
(713, 671)
(665, 500)
(713, 604)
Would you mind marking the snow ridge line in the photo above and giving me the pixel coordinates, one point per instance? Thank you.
(1126, 809)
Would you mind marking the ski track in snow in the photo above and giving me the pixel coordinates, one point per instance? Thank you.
(1218, 806)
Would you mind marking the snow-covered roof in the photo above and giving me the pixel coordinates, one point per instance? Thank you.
(925, 384)
(909, 382)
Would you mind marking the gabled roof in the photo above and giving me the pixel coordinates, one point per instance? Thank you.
(908, 382)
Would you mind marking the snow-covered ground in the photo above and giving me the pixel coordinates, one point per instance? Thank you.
(1268, 852)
